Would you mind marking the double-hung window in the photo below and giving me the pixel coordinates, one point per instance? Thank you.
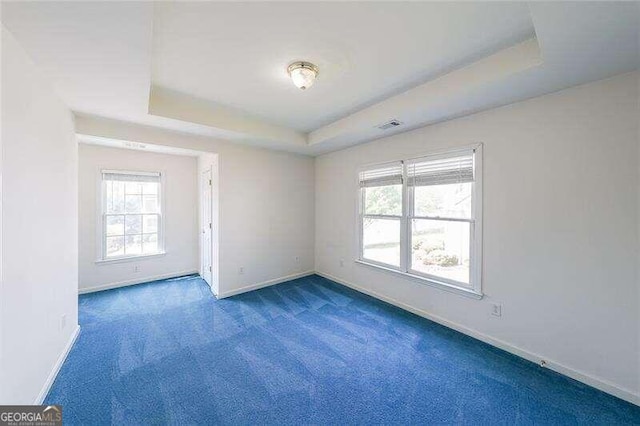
(381, 191)
(422, 217)
(131, 214)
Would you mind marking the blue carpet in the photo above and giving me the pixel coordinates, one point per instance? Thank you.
(308, 351)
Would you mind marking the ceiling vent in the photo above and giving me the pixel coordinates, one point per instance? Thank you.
(390, 124)
(134, 145)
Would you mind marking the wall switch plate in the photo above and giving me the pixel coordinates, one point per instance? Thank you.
(136, 268)
(341, 263)
(496, 310)
(297, 259)
(241, 270)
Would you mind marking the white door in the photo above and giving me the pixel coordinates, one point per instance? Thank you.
(206, 227)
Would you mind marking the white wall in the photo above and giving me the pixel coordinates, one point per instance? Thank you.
(266, 216)
(560, 229)
(180, 217)
(39, 228)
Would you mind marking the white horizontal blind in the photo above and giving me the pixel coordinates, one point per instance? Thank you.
(457, 168)
(390, 174)
(112, 175)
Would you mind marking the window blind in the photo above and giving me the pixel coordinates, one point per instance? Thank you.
(390, 174)
(113, 175)
(457, 168)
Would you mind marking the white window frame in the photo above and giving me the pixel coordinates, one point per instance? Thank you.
(102, 214)
(401, 219)
(474, 289)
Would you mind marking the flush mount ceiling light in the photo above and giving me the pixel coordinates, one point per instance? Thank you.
(303, 74)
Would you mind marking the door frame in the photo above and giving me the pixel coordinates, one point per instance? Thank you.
(209, 163)
(206, 184)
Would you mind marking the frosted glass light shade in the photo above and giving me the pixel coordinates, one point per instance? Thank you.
(303, 74)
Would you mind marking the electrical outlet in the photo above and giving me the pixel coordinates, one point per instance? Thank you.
(136, 268)
(241, 270)
(63, 321)
(297, 259)
(496, 310)
(342, 263)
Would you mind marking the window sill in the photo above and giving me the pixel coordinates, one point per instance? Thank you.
(130, 258)
(433, 283)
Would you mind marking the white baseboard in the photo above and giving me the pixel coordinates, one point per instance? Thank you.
(263, 284)
(56, 367)
(588, 379)
(136, 281)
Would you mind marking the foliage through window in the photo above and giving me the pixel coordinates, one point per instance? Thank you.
(131, 214)
(422, 217)
(382, 213)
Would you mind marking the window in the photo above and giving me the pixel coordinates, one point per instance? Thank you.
(381, 191)
(422, 217)
(131, 214)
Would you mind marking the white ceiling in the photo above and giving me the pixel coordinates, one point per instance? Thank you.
(237, 53)
(97, 53)
(218, 69)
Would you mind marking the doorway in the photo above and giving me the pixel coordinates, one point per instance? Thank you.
(206, 185)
